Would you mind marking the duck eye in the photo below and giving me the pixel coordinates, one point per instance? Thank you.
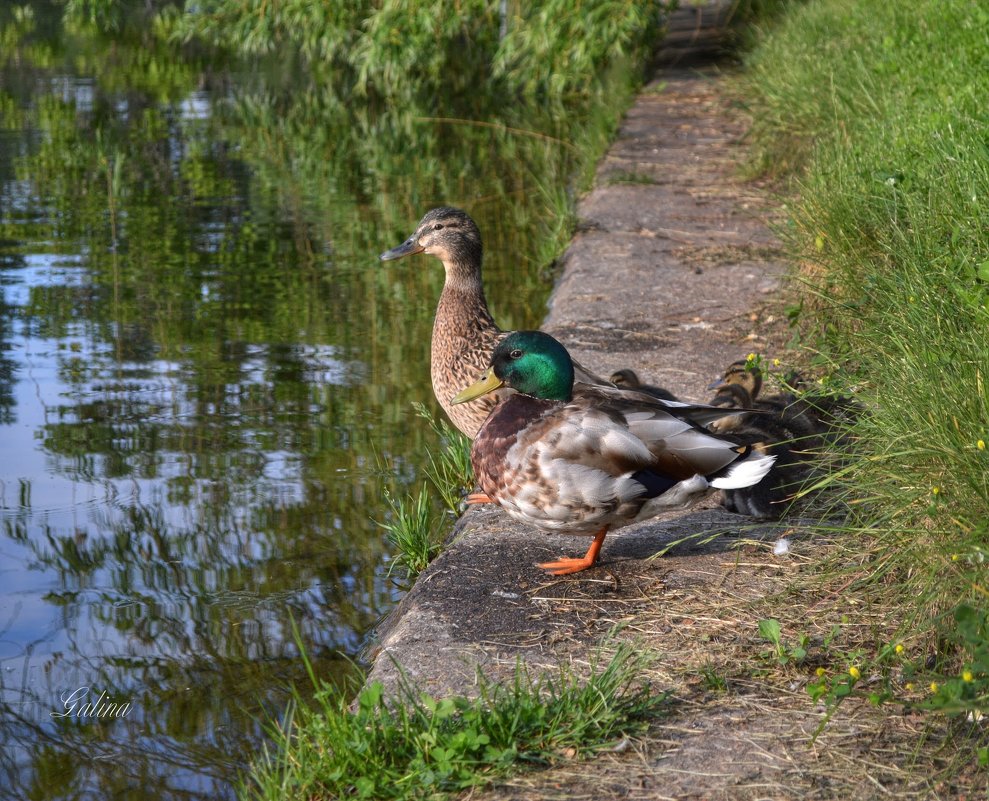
(516, 354)
(438, 226)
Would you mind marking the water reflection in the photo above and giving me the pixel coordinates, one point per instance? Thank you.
(205, 387)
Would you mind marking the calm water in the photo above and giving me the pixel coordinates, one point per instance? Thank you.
(206, 381)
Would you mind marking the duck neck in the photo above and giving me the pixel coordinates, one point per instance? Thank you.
(463, 290)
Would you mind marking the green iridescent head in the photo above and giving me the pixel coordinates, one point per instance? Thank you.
(529, 362)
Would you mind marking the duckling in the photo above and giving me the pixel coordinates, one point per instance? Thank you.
(629, 379)
(784, 416)
(464, 332)
(787, 428)
(590, 462)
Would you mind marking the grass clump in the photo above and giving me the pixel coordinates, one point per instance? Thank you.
(877, 112)
(449, 469)
(413, 531)
(416, 526)
(415, 746)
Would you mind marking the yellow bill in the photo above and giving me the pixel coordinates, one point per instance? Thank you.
(485, 384)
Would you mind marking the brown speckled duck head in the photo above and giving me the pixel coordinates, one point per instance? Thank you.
(450, 235)
(743, 374)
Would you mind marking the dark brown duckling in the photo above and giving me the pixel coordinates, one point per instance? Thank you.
(629, 379)
(774, 432)
(770, 497)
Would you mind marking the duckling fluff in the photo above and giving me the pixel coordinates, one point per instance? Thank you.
(464, 332)
(601, 460)
(784, 416)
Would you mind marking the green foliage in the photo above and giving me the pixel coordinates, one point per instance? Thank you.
(415, 746)
(967, 690)
(877, 110)
(319, 31)
(413, 531)
(783, 653)
(449, 468)
(415, 527)
(552, 48)
(405, 48)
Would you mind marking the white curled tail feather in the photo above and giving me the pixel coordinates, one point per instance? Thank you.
(745, 472)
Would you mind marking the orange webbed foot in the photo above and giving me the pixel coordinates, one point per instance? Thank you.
(478, 497)
(566, 566)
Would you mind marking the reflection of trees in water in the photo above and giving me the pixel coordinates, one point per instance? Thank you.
(240, 371)
(182, 744)
(7, 365)
(194, 628)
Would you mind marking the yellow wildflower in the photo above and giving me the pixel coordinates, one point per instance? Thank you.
(908, 686)
(854, 672)
(820, 672)
(967, 676)
(933, 686)
(981, 444)
(899, 648)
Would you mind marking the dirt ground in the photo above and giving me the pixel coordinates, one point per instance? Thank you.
(674, 272)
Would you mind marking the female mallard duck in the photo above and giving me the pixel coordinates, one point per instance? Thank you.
(602, 459)
(464, 333)
(629, 379)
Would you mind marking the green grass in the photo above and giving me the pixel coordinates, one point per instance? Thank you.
(877, 113)
(413, 531)
(449, 468)
(416, 522)
(413, 746)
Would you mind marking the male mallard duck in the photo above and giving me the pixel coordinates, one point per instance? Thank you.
(583, 464)
(629, 379)
(464, 333)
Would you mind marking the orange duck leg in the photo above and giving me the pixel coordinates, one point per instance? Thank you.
(565, 566)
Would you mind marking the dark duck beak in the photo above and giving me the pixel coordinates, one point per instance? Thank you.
(407, 248)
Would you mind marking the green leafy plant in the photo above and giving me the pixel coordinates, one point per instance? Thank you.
(967, 690)
(411, 745)
(784, 653)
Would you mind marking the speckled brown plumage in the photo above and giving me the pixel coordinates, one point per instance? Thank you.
(464, 332)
